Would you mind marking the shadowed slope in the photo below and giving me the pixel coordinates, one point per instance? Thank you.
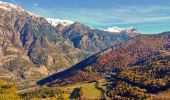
(135, 50)
(79, 66)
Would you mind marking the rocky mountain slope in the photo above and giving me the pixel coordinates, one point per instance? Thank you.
(31, 47)
(115, 58)
(93, 40)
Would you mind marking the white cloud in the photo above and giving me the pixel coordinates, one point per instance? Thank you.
(35, 4)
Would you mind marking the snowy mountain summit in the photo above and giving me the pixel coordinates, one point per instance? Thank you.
(9, 7)
(118, 30)
(129, 31)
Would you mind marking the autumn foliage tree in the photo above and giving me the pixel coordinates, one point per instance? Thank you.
(8, 91)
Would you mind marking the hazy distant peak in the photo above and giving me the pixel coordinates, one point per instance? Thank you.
(80, 26)
(77, 23)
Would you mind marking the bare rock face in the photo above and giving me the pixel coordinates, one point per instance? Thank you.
(50, 61)
(1, 51)
(60, 27)
(43, 70)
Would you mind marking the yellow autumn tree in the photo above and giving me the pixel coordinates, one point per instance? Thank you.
(8, 91)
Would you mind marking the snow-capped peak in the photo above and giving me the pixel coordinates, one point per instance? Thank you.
(55, 22)
(114, 29)
(129, 31)
(118, 30)
(9, 7)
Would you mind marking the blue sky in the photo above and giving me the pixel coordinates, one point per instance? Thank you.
(148, 16)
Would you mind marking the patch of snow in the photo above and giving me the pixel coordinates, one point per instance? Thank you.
(129, 31)
(5, 8)
(9, 7)
(114, 29)
(118, 30)
(55, 22)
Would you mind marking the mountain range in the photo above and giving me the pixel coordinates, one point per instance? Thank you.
(34, 46)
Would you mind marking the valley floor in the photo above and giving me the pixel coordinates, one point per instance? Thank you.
(90, 91)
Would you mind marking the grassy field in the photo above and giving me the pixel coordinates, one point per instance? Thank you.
(91, 90)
